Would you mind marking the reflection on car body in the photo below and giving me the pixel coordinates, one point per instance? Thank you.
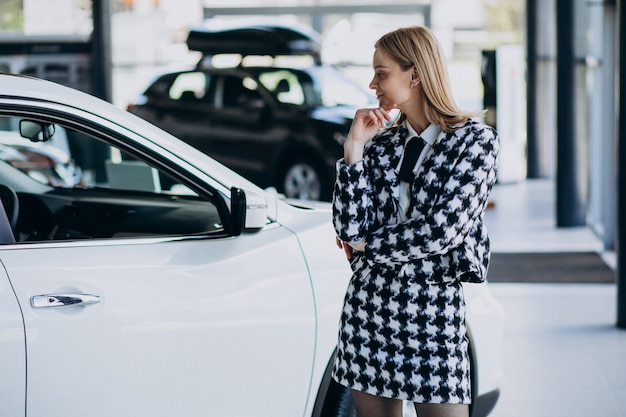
(171, 285)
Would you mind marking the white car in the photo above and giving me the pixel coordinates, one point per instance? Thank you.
(165, 284)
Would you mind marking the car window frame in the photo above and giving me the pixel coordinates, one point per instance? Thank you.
(109, 132)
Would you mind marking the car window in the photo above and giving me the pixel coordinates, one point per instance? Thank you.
(285, 86)
(46, 162)
(238, 92)
(160, 87)
(181, 87)
(189, 86)
(82, 188)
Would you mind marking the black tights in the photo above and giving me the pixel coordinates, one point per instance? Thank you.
(368, 405)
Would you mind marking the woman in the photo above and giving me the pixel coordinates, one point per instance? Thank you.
(412, 240)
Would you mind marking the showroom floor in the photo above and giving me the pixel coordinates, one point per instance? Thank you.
(563, 354)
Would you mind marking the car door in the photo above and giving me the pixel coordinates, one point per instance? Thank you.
(244, 135)
(156, 319)
(12, 353)
(212, 327)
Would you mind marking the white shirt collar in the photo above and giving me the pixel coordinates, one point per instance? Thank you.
(429, 135)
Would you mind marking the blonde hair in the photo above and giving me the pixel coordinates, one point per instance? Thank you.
(417, 47)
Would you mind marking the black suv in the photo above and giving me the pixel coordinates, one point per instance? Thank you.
(277, 126)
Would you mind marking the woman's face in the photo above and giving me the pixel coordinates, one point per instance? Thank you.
(391, 83)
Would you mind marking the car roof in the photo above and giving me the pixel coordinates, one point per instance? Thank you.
(243, 70)
(259, 39)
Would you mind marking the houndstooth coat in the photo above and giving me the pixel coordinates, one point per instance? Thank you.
(402, 331)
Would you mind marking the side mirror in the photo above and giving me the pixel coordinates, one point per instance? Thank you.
(249, 211)
(36, 131)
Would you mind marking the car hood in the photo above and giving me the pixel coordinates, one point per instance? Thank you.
(309, 204)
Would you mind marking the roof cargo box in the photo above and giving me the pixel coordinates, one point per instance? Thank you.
(265, 39)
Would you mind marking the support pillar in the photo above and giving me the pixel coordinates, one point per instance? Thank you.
(570, 186)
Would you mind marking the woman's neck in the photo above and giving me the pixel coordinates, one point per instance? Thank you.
(419, 124)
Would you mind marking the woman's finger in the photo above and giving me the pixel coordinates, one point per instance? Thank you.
(383, 116)
(346, 248)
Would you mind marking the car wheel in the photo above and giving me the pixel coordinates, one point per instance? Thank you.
(301, 179)
(339, 402)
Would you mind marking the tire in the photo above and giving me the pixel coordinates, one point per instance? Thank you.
(339, 402)
(302, 179)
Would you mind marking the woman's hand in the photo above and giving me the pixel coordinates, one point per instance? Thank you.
(364, 126)
(348, 248)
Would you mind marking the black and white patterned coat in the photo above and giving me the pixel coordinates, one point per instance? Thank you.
(445, 237)
(402, 331)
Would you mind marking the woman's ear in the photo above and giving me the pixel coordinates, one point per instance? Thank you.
(415, 78)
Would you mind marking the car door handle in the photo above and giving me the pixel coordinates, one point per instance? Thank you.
(64, 300)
